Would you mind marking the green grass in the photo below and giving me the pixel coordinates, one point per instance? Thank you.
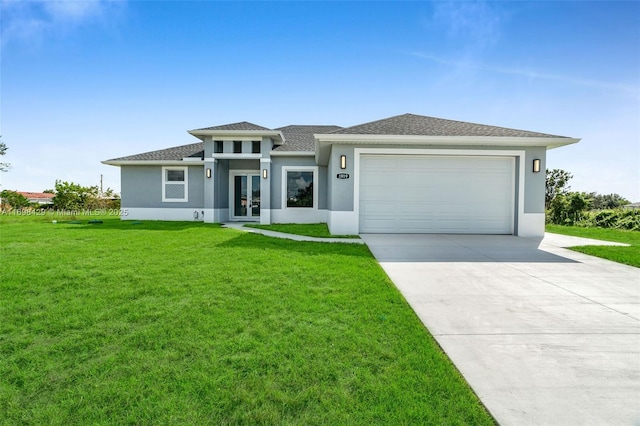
(318, 230)
(627, 255)
(188, 323)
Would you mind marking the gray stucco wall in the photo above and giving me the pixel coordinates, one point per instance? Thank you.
(221, 191)
(341, 191)
(244, 165)
(141, 186)
(277, 163)
(534, 183)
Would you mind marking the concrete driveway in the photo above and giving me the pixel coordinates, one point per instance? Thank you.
(542, 334)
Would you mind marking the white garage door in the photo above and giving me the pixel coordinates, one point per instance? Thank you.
(436, 194)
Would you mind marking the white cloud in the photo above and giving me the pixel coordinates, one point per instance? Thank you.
(478, 23)
(32, 21)
(623, 89)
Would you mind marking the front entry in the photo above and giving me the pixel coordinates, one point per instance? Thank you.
(244, 197)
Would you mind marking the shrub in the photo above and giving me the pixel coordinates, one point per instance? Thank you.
(615, 219)
(13, 199)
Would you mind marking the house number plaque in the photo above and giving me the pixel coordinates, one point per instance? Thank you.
(343, 176)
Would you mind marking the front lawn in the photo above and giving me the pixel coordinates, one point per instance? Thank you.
(318, 230)
(628, 255)
(188, 323)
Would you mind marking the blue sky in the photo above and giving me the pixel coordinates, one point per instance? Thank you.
(90, 80)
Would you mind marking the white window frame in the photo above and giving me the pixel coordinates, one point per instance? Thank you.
(287, 169)
(165, 182)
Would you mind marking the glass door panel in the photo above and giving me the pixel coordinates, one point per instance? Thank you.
(240, 196)
(255, 196)
(245, 196)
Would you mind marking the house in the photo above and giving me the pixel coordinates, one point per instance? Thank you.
(404, 174)
(42, 198)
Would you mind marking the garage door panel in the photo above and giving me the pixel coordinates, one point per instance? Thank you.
(435, 194)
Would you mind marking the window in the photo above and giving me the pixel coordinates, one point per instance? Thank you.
(174, 184)
(255, 147)
(237, 147)
(299, 188)
(218, 147)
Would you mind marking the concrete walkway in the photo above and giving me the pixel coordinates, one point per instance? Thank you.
(569, 241)
(240, 226)
(544, 335)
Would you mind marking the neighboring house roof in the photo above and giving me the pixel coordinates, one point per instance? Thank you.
(300, 137)
(420, 125)
(243, 125)
(176, 153)
(36, 194)
(37, 197)
(632, 206)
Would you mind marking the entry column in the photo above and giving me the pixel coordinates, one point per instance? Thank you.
(210, 180)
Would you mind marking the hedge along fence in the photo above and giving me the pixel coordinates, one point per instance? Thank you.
(617, 219)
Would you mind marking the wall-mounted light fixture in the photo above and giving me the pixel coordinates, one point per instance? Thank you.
(536, 166)
(343, 162)
(265, 173)
(208, 173)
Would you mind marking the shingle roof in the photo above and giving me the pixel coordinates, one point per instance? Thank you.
(43, 195)
(300, 137)
(194, 150)
(420, 125)
(243, 125)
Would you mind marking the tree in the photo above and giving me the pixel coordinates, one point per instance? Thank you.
(14, 199)
(608, 201)
(3, 150)
(567, 209)
(71, 196)
(556, 183)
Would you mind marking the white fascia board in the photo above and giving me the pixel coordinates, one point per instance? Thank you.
(445, 140)
(291, 153)
(229, 156)
(236, 134)
(563, 142)
(324, 142)
(153, 163)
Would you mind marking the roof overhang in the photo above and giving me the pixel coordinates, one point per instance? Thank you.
(152, 163)
(324, 142)
(291, 153)
(276, 135)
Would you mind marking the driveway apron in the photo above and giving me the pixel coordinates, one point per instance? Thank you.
(542, 334)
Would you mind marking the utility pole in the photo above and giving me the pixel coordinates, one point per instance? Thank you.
(101, 186)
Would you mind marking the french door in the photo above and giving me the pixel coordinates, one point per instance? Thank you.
(244, 197)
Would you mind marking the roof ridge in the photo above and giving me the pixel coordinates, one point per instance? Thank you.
(307, 125)
(415, 124)
(238, 125)
(376, 121)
